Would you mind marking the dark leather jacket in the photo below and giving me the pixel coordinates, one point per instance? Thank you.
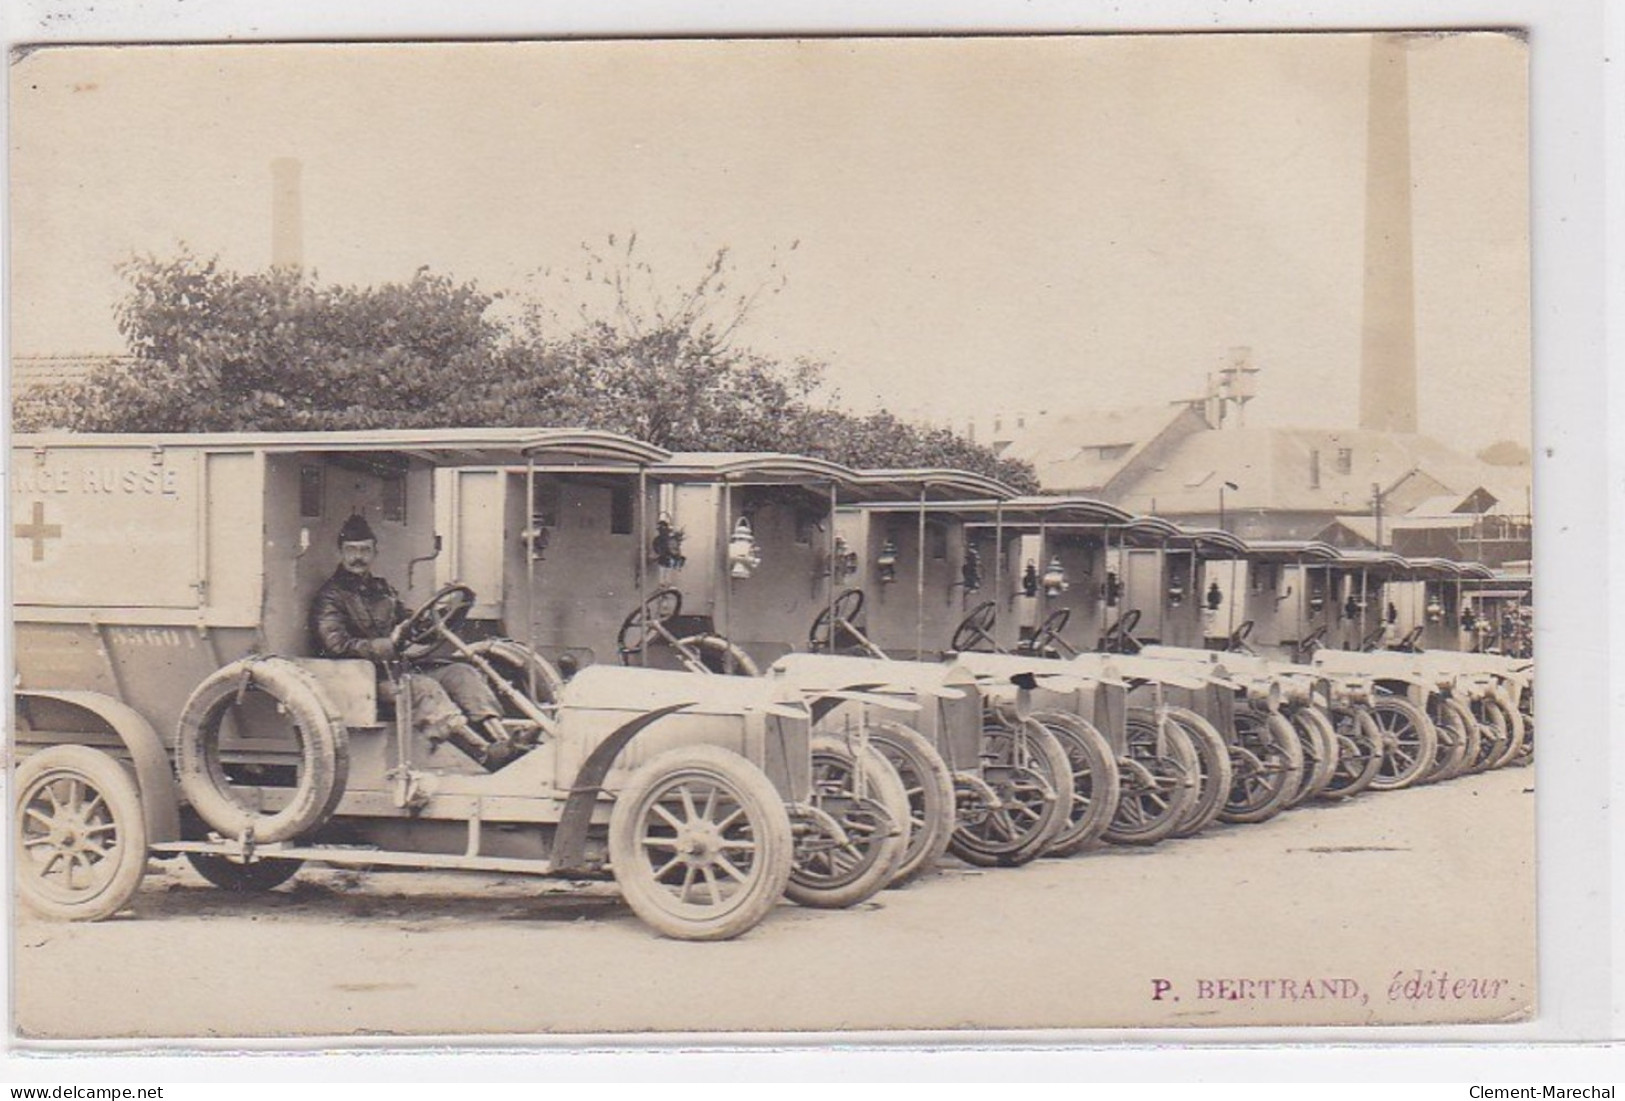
(352, 617)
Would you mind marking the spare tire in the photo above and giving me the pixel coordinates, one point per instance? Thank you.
(323, 754)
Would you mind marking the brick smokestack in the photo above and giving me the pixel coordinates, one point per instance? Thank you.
(1388, 336)
(287, 213)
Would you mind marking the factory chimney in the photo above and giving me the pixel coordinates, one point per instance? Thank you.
(287, 214)
(1388, 335)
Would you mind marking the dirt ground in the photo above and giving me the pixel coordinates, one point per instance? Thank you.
(1405, 907)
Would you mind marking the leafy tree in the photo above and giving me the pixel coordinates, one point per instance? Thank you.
(216, 350)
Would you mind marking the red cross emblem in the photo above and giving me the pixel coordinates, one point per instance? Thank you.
(38, 531)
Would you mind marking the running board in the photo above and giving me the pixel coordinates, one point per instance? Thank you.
(351, 857)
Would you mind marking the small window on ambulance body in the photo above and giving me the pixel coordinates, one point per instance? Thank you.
(620, 511)
(310, 492)
(393, 505)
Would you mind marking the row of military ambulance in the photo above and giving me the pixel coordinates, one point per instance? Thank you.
(739, 677)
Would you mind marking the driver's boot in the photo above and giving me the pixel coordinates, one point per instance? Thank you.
(466, 739)
(502, 748)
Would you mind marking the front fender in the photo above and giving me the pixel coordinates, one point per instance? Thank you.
(155, 778)
(570, 840)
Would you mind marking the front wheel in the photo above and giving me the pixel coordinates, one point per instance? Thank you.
(1027, 770)
(1268, 763)
(1160, 779)
(1359, 752)
(1317, 739)
(929, 786)
(80, 839)
(1410, 743)
(699, 842)
(1460, 740)
(851, 839)
(1215, 773)
(1095, 781)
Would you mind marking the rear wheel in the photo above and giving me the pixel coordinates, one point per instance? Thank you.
(243, 879)
(929, 787)
(1160, 778)
(1409, 742)
(851, 838)
(699, 842)
(1268, 766)
(1095, 781)
(80, 841)
(1028, 772)
(1214, 770)
(721, 656)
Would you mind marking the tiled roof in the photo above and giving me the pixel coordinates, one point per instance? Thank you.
(31, 372)
(1273, 469)
(1082, 452)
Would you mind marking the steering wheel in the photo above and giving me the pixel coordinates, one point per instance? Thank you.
(1371, 641)
(1412, 637)
(1049, 631)
(976, 629)
(1120, 635)
(1311, 642)
(1239, 637)
(846, 607)
(420, 633)
(636, 629)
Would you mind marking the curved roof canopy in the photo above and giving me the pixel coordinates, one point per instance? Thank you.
(938, 484)
(1210, 542)
(438, 446)
(752, 468)
(1291, 550)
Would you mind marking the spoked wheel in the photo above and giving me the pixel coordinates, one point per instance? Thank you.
(1268, 766)
(1515, 726)
(243, 879)
(929, 786)
(1409, 742)
(851, 838)
(1095, 781)
(1459, 738)
(1359, 752)
(1213, 767)
(1159, 782)
(80, 841)
(1526, 752)
(1318, 742)
(1028, 772)
(699, 842)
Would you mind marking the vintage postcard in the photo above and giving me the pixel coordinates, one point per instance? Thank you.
(884, 535)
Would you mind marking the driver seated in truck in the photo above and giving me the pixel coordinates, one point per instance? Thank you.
(357, 614)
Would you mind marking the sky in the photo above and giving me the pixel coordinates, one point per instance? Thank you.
(977, 224)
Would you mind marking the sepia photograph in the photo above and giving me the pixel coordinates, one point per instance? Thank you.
(936, 535)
